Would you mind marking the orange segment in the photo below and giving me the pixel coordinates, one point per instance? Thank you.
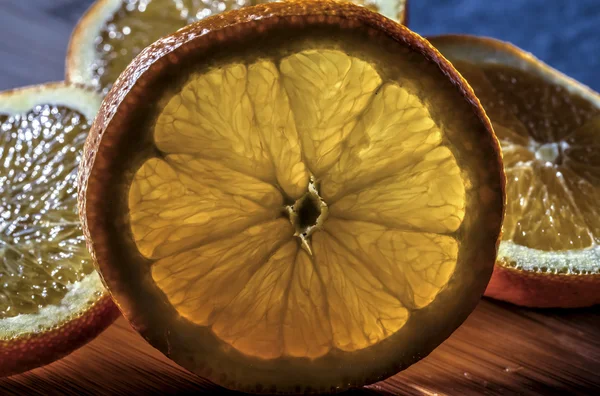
(307, 330)
(551, 220)
(516, 156)
(330, 90)
(277, 127)
(585, 196)
(365, 311)
(202, 282)
(422, 263)
(518, 194)
(253, 321)
(394, 131)
(198, 174)
(517, 91)
(216, 103)
(428, 195)
(170, 213)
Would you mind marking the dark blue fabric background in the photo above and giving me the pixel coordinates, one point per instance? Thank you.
(563, 33)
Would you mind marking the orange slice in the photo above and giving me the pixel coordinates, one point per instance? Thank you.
(294, 197)
(549, 128)
(51, 300)
(113, 32)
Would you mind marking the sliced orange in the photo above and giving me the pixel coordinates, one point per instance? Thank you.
(549, 128)
(113, 32)
(297, 197)
(51, 299)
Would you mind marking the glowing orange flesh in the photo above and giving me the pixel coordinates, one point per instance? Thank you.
(550, 139)
(222, 212)
(42, 248)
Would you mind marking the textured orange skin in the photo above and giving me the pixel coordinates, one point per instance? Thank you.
(38, 349)
(543, 290)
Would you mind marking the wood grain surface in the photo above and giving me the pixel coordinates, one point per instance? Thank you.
(500, 350)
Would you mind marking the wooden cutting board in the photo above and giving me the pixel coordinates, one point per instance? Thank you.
(500, 349)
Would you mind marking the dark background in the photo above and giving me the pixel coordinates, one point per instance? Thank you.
(501, 349)
(564, 33)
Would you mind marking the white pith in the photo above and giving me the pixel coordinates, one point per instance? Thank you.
(82, 51)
